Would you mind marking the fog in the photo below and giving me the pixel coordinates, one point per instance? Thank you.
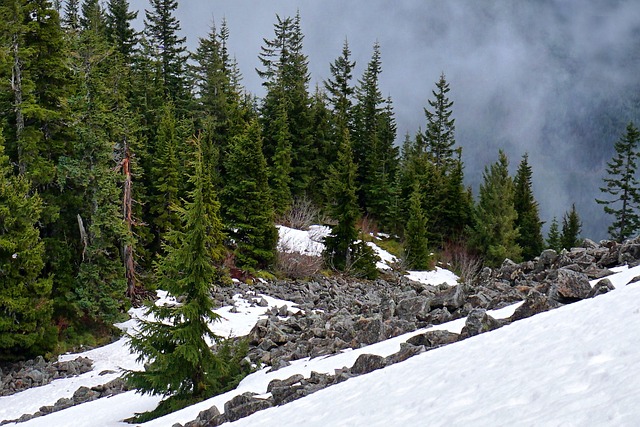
(558, 79)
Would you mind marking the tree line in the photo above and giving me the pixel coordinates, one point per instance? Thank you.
(120, 149)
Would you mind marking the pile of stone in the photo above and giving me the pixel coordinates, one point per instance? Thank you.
(33, 373)
(81, 395)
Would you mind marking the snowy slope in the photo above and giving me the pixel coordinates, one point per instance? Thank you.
(576, 365)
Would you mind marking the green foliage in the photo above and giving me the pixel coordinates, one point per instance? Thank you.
(553, 238)
(528, 220)
(622, 184)
(25, 304)
(119, 30)
(248, 209)
(416, 244)
(175, 344)
(439, 134)
(571, 228)
(494, 233)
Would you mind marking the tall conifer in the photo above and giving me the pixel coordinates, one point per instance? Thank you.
(528, 220)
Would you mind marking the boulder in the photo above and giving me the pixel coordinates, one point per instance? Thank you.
(366, 363)
(478, 321)
(569, 286)
(534, 303)
(244, 405)
(433, 339)
(602, 287)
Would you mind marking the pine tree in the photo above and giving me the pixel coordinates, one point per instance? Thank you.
(340, 89)
(622, 183)
(439, 134)
(25, 299)
(165, 175)
(119, 29)
(571, 228)
(553, 238)
(528, 220)
(92, 16)
(280, 171)
(175, 345)
(169, 50)
(286, 74)
(416, 244)
(494, 233)
(72, 15)
(248, 208)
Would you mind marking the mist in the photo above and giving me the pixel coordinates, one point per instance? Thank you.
(557, 79)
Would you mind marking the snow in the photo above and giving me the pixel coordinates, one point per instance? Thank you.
(306, 242)
(575, 365)
(435, 277)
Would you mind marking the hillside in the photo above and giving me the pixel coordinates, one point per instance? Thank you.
(567, 366)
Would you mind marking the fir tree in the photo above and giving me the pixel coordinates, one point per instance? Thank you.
(342, 251)
(494, 233)
(622, 183)
(439, 134)
(286, 74)
(339, 87)
(571, 228)
(175, 344)
(72, 14)
(280, 172)
(119, 29)
(417, 252)
(553, 238)
(165, 174)
(248, 207)
(528, 220)
(161, 30)
(25, 300)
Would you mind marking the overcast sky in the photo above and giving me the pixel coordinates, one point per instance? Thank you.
(527, 76)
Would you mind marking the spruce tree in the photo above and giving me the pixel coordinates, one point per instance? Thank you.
(416, 244)
(280, 171)
(439, 134)
(119, 29)
(175, 345)
(553, 237)
(165, 176)
(622, 184)
(494, 232)
(528, 220)
(71, 18)
(25, 297)
(167, 49)
(248, 207)
(571, 228)
(286, 74)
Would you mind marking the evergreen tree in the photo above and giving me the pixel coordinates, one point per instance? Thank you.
(553, 238)
(571, 228)
(248, 208)
(622, 183)
(528, 220)
(72, 14)
(416, 249)
(494, 233)
(165, 175)
(25, 299)
(167, 49)
(92, 16)
(439, 134)
(342, 251)
(280, 171)
(119, 29)
(286, 74)
(340, 89)
(175, 344)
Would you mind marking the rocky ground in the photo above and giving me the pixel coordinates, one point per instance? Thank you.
(333, 314)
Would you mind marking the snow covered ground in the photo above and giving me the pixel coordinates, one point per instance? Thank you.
(577, 365)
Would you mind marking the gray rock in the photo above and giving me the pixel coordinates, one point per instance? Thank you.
(366, 363)
(534, 303)
(602, 287)
(244, 405)
(569, 286)
(433, 339)
(478, 322)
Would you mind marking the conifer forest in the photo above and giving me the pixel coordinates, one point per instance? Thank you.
(130, 164)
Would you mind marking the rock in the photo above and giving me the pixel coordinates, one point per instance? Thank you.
(433, 339)
(478, 321)
(244, 405)
(406, 351)
(409, 308)
(366, 363)
(547, 257)
(534, 303)
(369, 331)
(602, 287)
(208, 414)
(451, 298)
(569, 286)
(84, 394)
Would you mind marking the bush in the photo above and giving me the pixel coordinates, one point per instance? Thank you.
(301, 215)
(463, 261)
(294, 265)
